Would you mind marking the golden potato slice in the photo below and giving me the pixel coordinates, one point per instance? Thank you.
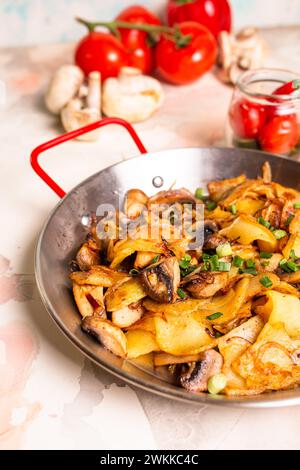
(182, 335)
(140, 342)
(256, 287)
(245, 229)
(98, 276)
(125, 248)
(283, 308)
(234, 344)
(249, 206)
(286, 288)
(127, 316)
(146, 322)
(164, 359)
(292, 244)
(272, 362)
(124, 294)
(178, 308)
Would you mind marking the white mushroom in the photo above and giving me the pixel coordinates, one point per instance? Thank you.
(131, 96)
(85, 108)
(107, 334)
(237, 53)
(128, 315)
(63, 86)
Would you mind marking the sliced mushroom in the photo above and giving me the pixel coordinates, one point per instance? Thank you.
(127, 316)
(161, 280)
(89, 300)
(131, 95)
(88, 255)
(211, 239)
(135, 202)
(83, 110)
(196, 378)
(206, 284)
(171, 196)
(109, 335)
(63, 87)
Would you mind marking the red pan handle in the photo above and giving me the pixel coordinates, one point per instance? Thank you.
(72, 135)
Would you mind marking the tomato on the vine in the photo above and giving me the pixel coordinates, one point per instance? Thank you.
(214, 14)
(280, 134)
(141, 53)
(101, 52)
(246, 118)
(188, 58)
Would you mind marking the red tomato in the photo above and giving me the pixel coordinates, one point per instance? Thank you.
(214, 14)
(101, 52)
(180, 65)
(246, 118)
(280, 134)
(141, 54)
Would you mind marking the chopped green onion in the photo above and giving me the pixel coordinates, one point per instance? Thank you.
(278, 234)
(155, 259)
(216, 383)
(181, 293)
(211, 205)
(292, 266)
(214, 263)
(297, 205)
(264, 222)
(265, 263)
(185, 261)
(223, 266)
(199, 193)
(250, 263)
(134, 272)
(266, 282)
(238, 261)
(233, 209)
(214, 316)
(265, 255)
(188, 270)
(224, 250)
(289, 220)
(252, 271)
(218, 334)
(293, 256)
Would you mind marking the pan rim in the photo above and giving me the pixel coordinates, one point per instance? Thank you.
(264, 400)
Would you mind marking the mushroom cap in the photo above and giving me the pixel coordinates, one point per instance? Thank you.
(63, 86)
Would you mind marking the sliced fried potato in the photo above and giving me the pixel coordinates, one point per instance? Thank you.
(182, 336)
(125, 248)
(109, 335)
(98, 276)
(292, 244)
(282, 308)
(249, 206)
(178, 308)
(256, 287)
(218, 189)
(164, 359)
(88, 255)
(140, 342)
(270, 363)
(245, 229)
(124, 294)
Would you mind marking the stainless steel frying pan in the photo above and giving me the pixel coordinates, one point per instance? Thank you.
(64, 231)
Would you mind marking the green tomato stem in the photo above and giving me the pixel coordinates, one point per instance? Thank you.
(173, 33)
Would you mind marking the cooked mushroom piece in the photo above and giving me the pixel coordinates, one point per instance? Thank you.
(161, 280)
(206, 284)
(196, 378)
(135, 202)
(109, 335)
(88, 255)
(127, 316)
(211, 239)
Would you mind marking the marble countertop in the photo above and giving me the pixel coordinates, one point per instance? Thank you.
(50, 395)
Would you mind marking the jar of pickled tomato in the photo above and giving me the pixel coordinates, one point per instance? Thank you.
(264, 112)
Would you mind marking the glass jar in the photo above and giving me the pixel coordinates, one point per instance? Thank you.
(261, 118)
